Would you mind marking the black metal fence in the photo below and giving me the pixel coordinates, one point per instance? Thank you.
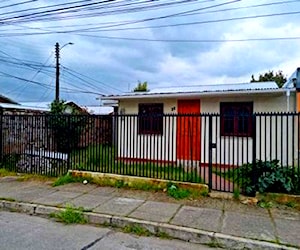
(246, 153)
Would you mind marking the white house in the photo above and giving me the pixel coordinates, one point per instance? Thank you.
(173, 125)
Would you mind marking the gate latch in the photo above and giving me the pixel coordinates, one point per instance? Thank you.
(214, 145)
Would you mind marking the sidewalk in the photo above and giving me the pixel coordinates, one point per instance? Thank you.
(209, 221)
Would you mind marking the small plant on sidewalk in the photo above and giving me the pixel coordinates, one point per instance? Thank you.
(136, 229)
(70, 215)
(177, 192)
(236, 194)
(68, 178)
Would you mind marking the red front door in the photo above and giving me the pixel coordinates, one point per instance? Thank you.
(188, 130)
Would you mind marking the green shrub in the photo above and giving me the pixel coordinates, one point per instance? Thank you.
(267, 176)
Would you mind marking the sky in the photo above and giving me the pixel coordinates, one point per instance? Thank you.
(116, 44)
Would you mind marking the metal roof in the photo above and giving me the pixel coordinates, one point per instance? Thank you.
(7, 100)
(290, 82)
(99, 110)
(21, 107)
(232, 89)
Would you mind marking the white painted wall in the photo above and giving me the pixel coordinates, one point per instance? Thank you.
(229, 150)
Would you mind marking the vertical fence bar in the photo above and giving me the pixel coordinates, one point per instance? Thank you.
(210, 151)
(1, 137)
(254, 177)
(287, 140)
(293, 143)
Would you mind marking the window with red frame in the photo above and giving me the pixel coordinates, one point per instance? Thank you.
(236, 118)
(150, 119)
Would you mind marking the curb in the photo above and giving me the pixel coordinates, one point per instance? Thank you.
(178, 232)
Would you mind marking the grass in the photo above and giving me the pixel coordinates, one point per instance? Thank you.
(68, 178)
(265, 204)
(291, 204)
(7, 199)
(102, 159)
(9, 161)
(35, 177)
(177, 192)
(236, 194)
(5, 172)
(136, 229)
(70, 215)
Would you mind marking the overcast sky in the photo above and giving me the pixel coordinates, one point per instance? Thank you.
(164, 42)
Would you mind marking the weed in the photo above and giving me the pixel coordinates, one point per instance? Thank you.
(70, 215)
(120, 184)
(68, 178)
(7, 199)
(265, 204)
(145, 186)
(136, 229)
(176, 192)
(291, 204)
(5, 172)
(236, 194)
(214, 244)
(35, 177)
(163, 235)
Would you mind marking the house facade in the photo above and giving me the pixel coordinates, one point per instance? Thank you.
(195, 125)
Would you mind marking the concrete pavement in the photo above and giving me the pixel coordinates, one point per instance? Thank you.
(209, 221)
(36, 233)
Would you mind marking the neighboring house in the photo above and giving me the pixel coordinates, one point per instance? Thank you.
(154, 129)
(99, 110)
(4, 99)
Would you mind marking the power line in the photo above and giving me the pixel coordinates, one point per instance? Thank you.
(194, 40)
(207, 21)
(72, 72)
(16, 4)
(49, 14)
(126, 22)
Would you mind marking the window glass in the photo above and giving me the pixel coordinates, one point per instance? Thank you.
(236, 118)
(150, 120)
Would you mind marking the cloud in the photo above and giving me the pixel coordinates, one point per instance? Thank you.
(109, 65)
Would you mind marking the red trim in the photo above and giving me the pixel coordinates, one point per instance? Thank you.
(216, 165)
(129, 159)
(206, 165)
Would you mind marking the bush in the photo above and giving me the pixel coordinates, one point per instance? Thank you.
(66, 128)
(268, 176)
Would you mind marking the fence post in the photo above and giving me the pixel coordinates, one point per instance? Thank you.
(254, 172)
(69, 141)
(210, 145)
(1, 135)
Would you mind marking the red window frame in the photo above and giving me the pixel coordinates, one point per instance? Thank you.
(236, 118)
(150, 118)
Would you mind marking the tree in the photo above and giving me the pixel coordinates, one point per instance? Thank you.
(277, 77)
(141, 87)
(66, 128)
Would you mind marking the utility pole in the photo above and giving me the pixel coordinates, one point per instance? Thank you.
(57, 72)
(57, 51)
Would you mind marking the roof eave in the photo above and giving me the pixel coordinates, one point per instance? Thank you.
(198, 94)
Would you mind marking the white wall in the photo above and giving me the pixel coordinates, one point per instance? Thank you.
(141, 146)
(229, 150)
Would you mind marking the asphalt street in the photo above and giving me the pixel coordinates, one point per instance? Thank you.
(22, 231)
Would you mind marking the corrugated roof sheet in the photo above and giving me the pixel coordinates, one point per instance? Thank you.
(206, 89)
(219, 87)
(99, 110)
(21, 107)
